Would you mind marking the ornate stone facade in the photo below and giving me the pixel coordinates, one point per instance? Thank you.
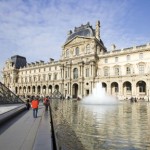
(84, 62)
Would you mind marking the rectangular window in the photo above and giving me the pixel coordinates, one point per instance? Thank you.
(116, 71)
(49, 77)
(128, 57)
(66, 74)
(141, 56)
(44, 77)
(141, 69)
(39, 78)
(106, 60)
(77, 51)
(55, 77)
(105, 72)
(128, 70)
(67, 53)
(87, 72)
(116, 59)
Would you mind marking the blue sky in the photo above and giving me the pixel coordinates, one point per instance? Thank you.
(36, 29)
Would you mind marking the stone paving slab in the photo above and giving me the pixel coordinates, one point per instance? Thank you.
(45, 144)
(26, 133)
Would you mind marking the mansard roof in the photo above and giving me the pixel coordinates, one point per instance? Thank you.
(83, 30)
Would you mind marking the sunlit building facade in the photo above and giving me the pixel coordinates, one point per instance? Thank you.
(84, 61)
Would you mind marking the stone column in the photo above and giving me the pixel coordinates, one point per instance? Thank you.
(35, 90)
(134, 89)
(79, 88)
(120, 89)
(91, 87)
(148, 89)
(82, 89)
(109, 88)
(47, 90)
(70, 89)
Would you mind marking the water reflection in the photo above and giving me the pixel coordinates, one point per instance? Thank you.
(118, 127)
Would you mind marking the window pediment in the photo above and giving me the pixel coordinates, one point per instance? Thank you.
(141, 63)
(128, 65)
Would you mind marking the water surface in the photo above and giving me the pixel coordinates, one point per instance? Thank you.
(124, 126)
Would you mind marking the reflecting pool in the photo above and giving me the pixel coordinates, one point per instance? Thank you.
(125, 126)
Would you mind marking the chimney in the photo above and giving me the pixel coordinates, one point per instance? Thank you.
(69, 32)
(51, 59)
(97, 30)
(113, 47)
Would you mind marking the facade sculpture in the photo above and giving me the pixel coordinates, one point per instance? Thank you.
(85, 61)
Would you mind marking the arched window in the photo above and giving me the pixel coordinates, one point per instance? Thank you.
(87, 49)
(75, 73)
(77, 51)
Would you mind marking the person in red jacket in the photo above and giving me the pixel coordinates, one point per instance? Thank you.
(46, 103)
(35, 104)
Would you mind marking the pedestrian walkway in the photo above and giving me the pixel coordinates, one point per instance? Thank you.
(27, 133)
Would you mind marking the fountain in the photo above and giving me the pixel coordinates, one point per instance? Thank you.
(100, 121)
(99, 96)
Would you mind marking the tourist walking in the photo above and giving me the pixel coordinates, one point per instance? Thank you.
(28, 104)
(35, 104)
(46, 103)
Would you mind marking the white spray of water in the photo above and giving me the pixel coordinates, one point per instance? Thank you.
(99, 96)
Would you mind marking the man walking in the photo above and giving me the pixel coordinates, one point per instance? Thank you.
(35, 104)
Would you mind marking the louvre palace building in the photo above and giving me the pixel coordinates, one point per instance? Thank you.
(84, 61)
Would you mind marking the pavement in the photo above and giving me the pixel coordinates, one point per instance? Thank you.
(24, 132)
